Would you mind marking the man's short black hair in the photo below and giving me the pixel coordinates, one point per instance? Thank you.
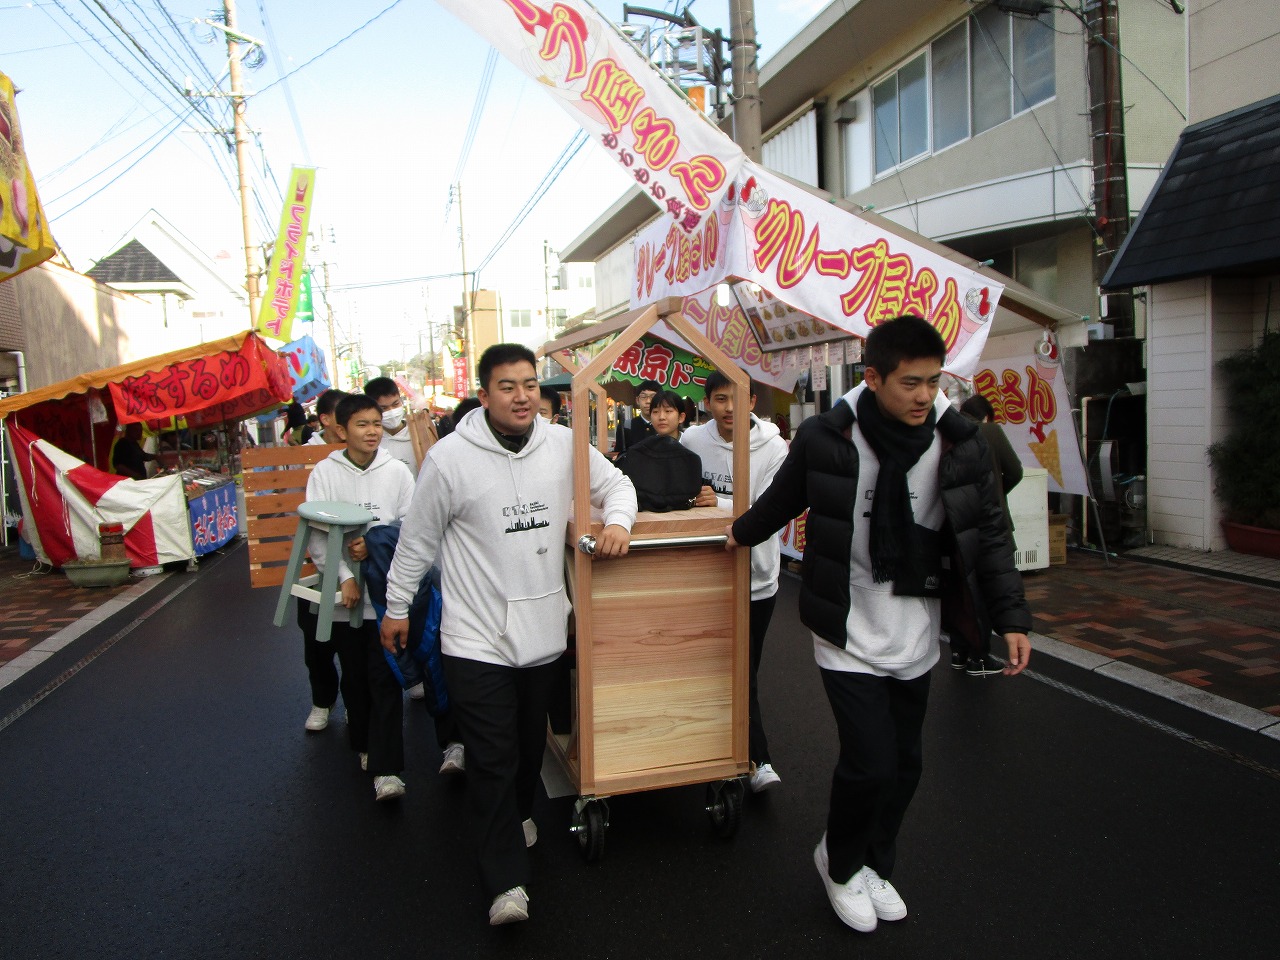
(352, 404)
(978, 408)
(645, 385)
(465, 407)
(716, 380)
(552, 396)
(902, 338)
(668, 398)
(381, 387)
(328, 402)
(501, 354)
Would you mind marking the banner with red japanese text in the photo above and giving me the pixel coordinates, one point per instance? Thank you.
(64, 500)
(808, 257)
(1029, 396)
(682, 160)
(288, 261)
(727, 328)
(228, 385)
(25, 240)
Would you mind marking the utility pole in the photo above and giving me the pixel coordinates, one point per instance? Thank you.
(242, 160)
(468, 303)
(333, 341)
(746, 77)
(1110, 167)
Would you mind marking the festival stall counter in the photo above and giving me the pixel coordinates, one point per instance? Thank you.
(211, 509)
(61, 438)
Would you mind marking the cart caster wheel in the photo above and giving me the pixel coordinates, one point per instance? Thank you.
(590, 821)
(724, 806)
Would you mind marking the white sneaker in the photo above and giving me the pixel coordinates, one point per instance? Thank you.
(530, 832)
(388, 788)
(763, 777)
(885, 900)
(417, 693)
(455, 759)
(851, 900)
(317, 719)
(364, 761)
(509, 907)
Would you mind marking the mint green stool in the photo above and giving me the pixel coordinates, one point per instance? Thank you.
(337, 520)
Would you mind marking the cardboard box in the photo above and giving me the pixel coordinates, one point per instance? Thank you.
(1057, 540)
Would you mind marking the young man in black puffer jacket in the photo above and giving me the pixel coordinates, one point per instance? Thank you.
(905, 536)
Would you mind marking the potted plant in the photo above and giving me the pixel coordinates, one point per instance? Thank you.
(97, 572)
(1246, 463)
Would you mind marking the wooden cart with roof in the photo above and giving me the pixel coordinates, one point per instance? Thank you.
(660, 664)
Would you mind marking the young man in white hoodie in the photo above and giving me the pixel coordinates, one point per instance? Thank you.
(491, 508)
(318, 657)
(369, 477)
(395, 432)
(713, 443)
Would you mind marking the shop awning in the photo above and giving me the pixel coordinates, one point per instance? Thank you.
(246, 377)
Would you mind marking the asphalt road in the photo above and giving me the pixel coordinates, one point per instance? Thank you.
(164, 801)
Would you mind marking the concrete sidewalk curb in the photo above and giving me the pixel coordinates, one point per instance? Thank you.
(50, 645)
(1199, 700)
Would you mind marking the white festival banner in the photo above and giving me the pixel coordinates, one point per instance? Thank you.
(821, 260)
(681, 159)
(1029, 396)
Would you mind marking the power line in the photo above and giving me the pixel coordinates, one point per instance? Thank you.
(333, 46)
(570, 151)
(165, 135)
(288, 91)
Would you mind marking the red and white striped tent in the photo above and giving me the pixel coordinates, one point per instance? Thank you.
(61, 437)
(66, 499)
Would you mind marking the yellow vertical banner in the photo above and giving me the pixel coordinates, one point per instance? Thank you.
(25, 239)
(288, 262)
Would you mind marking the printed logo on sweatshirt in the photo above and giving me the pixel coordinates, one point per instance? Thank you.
(523, 516)
(721, 483)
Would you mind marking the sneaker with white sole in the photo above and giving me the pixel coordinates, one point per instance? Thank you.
(416, 692)
(455, 759)
(851, 900)
(985, 666)
(763, 778)
(885, 900)
(959, 658)
(317, 719)
(509, 907)
(388, 788)
(530, 832)
(364, 761)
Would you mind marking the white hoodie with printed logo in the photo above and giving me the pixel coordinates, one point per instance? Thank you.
(768, 450)
(494, 521)
(384, 488)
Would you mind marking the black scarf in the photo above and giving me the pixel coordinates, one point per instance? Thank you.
(898, 447)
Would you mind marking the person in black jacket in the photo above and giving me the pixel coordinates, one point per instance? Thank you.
(632, 429)
(905, 536)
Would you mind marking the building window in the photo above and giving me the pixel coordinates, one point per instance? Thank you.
(1012, 66)
(980, 73)
(584, 281)
(558, 316)
(950, 61)
(519, 318)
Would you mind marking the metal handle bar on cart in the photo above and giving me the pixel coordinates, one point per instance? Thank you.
(587, 543)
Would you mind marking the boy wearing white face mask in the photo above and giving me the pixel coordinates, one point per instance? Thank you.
(395, 431)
